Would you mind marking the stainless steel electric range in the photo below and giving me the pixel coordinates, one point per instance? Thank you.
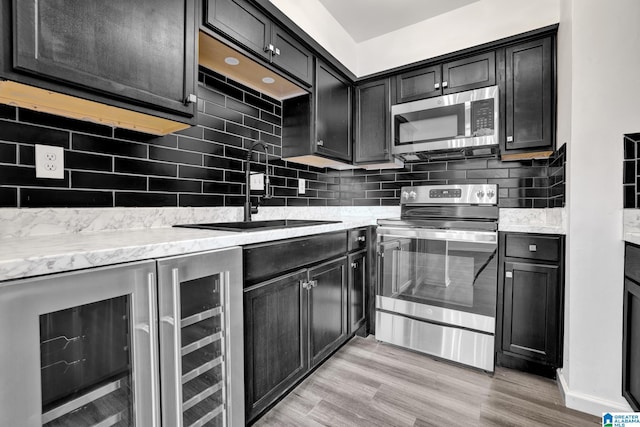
(438, 273)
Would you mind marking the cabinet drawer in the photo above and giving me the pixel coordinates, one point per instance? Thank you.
(632, 262)
(544, 248)
(357, 239)
(268, 260)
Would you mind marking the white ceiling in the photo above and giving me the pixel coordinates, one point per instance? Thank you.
(366, 19)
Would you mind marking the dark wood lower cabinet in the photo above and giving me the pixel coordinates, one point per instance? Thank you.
(327, 309)
(275, 328)
(631, 328)
(357, 290)
(530, 302)
(291, 324)
(531, 310)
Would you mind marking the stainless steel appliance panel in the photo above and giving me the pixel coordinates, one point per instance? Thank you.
(23, 302)
(437, 314)
(458, 345)
(201, 338)
(449, 122)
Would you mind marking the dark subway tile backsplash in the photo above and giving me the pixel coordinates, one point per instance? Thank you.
(631, 171)
(203, 165)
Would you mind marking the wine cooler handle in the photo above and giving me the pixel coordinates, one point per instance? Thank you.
(153, 359)
(171, 334)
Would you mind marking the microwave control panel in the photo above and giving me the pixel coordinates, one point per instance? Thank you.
(482, 117)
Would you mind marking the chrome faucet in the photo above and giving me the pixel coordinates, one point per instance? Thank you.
(248, 208)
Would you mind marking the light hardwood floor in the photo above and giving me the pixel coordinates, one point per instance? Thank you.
(367, 383)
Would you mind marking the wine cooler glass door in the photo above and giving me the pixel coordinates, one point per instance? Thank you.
(82, 349)
(196, 293)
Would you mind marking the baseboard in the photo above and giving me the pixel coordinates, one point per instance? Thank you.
(586, 403)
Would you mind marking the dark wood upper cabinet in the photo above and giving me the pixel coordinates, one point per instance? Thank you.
(468, 73)
(373, 122)
(529, 97)
(242, 22)
(291, 55)
(418, 84)
(332, 113)
(249, 27)
(141, 53)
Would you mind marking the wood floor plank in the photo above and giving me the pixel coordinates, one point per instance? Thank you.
(367, 383)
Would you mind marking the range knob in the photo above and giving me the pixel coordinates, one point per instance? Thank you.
(490, 194)
(412, 195)
(405, 194)
(480, 194)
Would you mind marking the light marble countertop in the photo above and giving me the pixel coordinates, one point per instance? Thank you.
(36, 242)
(38, 255)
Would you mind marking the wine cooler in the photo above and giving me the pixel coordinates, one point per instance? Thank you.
(153, 343)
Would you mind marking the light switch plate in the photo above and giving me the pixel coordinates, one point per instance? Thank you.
(257, 181)
(49, 162)
(301, 186)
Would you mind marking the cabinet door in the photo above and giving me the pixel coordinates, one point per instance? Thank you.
(142, 51)
(199, 302)
(291, 56)
(373, 122)
(631, 344)
(242, 22)
(333, 114)
(529, 115)
(327, 309)
(531, 311)
(469, 73)
(418, 84)
(357, 290)
(275, 340)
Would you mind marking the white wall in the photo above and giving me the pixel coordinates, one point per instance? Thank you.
(315, 20)
(605, 88)
(477, 23)
(468, 26)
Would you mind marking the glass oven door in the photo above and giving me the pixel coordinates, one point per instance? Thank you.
(446, 276)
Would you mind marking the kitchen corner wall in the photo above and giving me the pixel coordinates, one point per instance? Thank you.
(202, 165)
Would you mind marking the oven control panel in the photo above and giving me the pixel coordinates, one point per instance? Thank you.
(474, 194)
(445, 193)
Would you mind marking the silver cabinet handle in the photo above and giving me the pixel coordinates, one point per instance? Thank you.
(313, 283)
(191, 99)
(320, 143)
(269, 48)
(362, 238)
(533, 248)
(354, 265)
(508, 274)
(276, 51)
(437, 86)
(509, 138)
(445, 84)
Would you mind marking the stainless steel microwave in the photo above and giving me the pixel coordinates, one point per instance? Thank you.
(446, 123)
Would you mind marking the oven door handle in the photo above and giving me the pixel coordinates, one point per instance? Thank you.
(490, 237)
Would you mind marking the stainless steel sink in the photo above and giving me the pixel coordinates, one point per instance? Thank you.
(257, 225)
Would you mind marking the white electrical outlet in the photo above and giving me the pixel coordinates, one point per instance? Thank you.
(256, 181)
(301, 186)
(49, 162)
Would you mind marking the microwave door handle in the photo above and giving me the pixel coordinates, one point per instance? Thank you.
(467, 119)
